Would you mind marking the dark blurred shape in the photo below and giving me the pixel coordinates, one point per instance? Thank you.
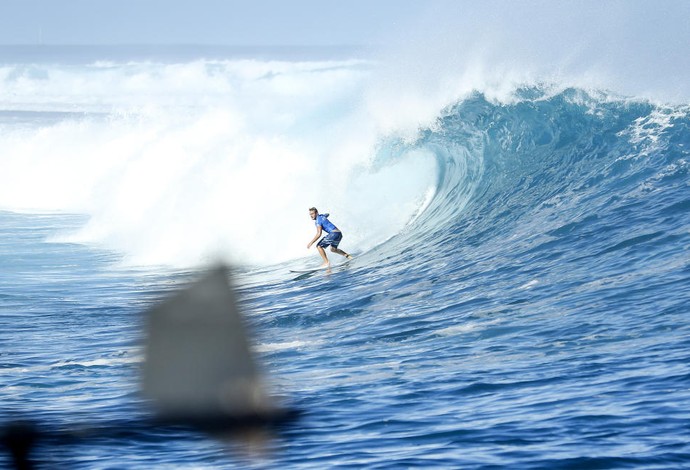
(199, 369)
(198, 374)
(19, 438)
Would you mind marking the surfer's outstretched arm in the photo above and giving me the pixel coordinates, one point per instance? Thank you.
(322, 252)
(318, 234)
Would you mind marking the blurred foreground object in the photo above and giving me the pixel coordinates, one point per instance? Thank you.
(199, 369)
(198, 373)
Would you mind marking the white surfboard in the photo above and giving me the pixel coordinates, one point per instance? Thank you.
(309, 270)
(319, 268)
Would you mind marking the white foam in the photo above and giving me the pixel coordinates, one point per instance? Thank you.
(529, 285)
(288, 345)
(207, 159)
(458, 329)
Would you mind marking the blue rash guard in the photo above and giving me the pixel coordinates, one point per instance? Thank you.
(326, 225)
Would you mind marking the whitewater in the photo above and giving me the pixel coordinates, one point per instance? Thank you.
(519, 296)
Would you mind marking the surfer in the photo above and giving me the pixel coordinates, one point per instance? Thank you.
(332, 238)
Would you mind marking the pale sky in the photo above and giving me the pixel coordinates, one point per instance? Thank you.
(224, 22)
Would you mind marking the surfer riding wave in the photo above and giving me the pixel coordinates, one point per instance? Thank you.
(332, 239)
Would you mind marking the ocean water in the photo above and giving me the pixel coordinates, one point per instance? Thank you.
(519, 297)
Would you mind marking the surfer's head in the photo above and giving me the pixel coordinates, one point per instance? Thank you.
(313, 212)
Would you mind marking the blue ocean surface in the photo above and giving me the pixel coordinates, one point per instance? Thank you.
(520, 295)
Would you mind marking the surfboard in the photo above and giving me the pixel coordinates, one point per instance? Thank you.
(319, 268)
(309, 270)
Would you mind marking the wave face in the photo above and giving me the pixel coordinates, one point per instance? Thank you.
(557, 175)
(519, 297)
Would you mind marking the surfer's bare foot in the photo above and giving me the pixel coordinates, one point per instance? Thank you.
(348, 256)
